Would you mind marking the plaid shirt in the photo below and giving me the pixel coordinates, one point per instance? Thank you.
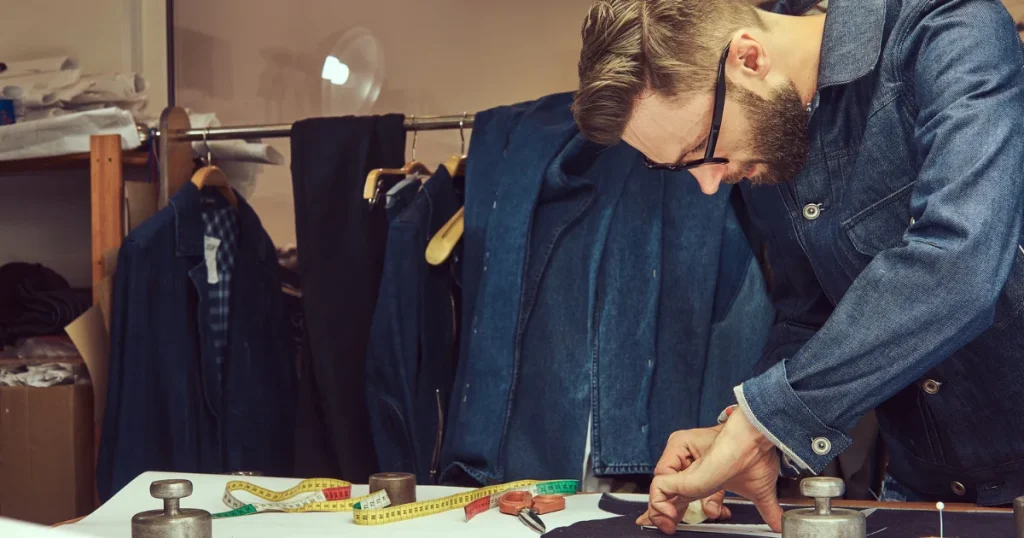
(221, 223)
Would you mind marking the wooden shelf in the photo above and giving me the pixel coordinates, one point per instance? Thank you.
(133, 158)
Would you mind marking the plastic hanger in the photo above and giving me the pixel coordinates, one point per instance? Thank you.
(372, 188)
(212, 176)
(444, 241)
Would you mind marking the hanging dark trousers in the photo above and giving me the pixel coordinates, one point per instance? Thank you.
(341, 244)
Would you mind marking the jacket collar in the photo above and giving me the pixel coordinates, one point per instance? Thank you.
(854, 30)
(190, 229)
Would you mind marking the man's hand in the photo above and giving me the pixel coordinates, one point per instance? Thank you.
(701, 463)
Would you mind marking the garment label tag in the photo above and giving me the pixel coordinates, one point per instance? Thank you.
(210, 246)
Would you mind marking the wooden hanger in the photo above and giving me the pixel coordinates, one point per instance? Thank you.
(456, 166)
(444, 241)
(212, 176)
(372, 190)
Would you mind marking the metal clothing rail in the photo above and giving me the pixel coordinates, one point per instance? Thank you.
(282, 130)
(172, 141)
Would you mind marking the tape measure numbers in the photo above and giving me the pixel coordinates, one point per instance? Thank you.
(314, 495)
(471, 501)
(330, 495)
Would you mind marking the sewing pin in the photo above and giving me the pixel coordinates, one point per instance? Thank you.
(940, 506)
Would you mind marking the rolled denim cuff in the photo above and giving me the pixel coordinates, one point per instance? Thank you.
(774, 408)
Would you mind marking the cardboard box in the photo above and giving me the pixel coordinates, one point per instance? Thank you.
(46, 453)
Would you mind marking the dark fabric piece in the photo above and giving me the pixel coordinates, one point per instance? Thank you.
(166, 409)
(881, 523)
(413, 342)
(341, 250)
(36, 301)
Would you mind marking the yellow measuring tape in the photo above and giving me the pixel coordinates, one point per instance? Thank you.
(330, 495)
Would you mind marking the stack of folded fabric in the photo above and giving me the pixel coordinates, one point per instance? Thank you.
(48, 87)
(36, 301)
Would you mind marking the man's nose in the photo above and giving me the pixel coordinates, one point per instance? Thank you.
(709, 178)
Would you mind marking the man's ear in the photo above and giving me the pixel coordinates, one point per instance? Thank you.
(748, 57)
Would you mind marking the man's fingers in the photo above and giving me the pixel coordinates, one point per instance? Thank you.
(770, 510)
(665, 512)
(676, 457)
(713, 505)
(726, 513)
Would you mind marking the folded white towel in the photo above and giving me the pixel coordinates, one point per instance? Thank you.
(32, 114)
(17, 68)
(40, 89)
(110, 88)
(65, 134)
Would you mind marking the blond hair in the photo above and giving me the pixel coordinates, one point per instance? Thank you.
(670, 47)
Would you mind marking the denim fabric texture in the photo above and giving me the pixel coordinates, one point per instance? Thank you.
(894, 492)
(906, 291)
(166, 407)
(413, 346)
(591, 285)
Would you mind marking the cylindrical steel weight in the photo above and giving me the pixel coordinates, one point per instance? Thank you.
(401, 487)
(173, 521)
(823, 521)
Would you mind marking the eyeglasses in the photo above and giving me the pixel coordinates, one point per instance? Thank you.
(716, 126)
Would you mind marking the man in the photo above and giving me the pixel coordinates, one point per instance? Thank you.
(884, 145)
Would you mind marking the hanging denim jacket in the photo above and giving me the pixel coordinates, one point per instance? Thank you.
(202, 376)
(594, 291)
(413, 346)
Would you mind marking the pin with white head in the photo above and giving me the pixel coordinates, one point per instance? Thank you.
(941, 506)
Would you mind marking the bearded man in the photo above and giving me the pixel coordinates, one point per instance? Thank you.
(884, 147)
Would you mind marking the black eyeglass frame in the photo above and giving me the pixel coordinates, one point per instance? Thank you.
(716, 126)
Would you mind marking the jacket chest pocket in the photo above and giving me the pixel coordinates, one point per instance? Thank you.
(882, 224)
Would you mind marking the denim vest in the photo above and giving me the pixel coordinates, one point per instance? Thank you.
(592, 288)
(904, 288)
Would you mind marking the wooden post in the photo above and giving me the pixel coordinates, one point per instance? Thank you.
(107, 199)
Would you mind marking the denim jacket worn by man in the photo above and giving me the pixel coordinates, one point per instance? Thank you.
(170, 405)
(594, 291)
(905, 290)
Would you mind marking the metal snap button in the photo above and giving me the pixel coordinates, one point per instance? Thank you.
(931, 386)
(821, 446)
(812, 211)
(958, 488)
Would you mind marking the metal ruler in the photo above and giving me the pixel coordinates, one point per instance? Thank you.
(330, 495)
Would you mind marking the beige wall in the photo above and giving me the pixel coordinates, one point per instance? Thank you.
(45, 217)
(441, 57)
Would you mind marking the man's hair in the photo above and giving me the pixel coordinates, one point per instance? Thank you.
(671, 47)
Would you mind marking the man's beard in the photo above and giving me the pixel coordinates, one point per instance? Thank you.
(779, 140)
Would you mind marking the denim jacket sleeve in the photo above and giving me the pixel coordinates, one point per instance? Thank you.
(917, 303)
(114, 465)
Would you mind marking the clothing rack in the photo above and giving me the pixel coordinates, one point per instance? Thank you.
(175, 134)
(282, 130)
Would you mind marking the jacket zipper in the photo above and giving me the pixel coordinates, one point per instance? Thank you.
(436, 461)
(439, 435)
